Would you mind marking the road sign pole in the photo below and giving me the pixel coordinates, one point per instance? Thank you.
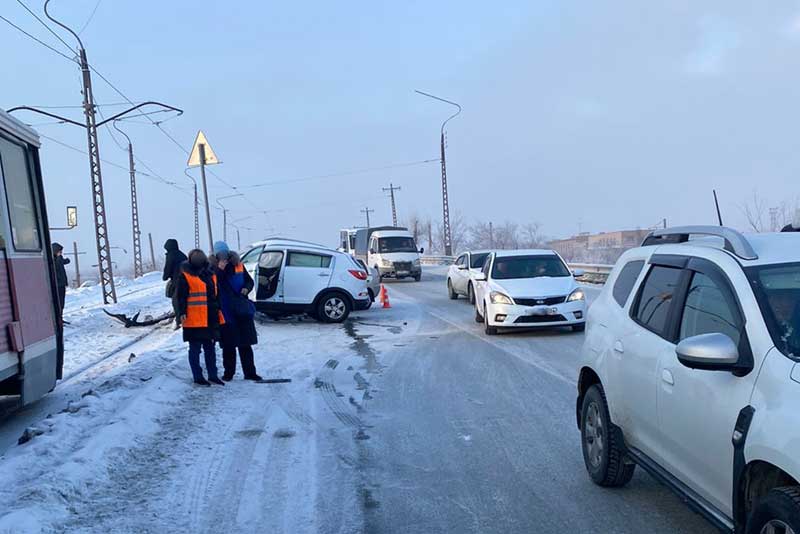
(77, 265)
(202, 148)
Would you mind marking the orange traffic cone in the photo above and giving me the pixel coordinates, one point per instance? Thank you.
(383, 297)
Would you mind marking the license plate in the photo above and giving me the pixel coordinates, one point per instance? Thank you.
(541, 310)
(402, 273)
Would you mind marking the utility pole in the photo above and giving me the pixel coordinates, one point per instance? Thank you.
(448, 247)
(138, 270)
(491, 235)
(391, 189)
(430, 236)
(196, 209)
(98, 200)
(225, 214)
(75, 254)
(104, 263)
(773, 216)
(152, 252)
(367, 211)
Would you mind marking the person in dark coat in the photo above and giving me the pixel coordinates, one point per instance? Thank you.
(794, 226)
(239, 330)
(198, 307)
(59, 261)
(172, 271)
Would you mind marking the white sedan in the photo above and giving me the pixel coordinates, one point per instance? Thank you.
(528, 288)
(461, 275)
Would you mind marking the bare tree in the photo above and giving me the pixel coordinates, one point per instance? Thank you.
(755, 211)
(531, 236)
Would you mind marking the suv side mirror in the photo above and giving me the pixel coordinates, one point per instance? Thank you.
(463, 267)
(480, 277)
(372, 251)
(577, 273)
(422, 250)
(710, 352)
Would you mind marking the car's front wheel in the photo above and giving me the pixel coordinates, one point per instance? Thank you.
(489, 329)
(603, 450)
(471, 293)
(478, 316)
(333, 308)
(450, 291)
(778, 512)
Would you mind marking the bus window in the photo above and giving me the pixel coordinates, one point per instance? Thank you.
(19, 194)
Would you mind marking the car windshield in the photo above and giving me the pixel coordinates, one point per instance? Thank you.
(777, 288)
(528, 267)
(477, 260)
(396, 244)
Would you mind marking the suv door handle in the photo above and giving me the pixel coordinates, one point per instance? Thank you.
(324, 274)
(666, 376)
(618, 347)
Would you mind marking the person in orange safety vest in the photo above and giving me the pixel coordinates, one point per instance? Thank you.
(197, 297)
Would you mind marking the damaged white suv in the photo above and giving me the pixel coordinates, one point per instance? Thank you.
(691, 370)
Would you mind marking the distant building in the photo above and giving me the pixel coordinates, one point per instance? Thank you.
(604, 247)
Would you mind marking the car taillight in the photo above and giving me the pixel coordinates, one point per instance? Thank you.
(361, 275)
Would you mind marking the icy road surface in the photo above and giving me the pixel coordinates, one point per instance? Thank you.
(406, 420)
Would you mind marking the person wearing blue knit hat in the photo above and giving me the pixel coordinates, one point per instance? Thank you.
(239, 331)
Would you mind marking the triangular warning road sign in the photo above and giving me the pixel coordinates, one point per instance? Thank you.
(194, 157)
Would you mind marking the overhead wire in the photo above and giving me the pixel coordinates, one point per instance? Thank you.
(91, 16)
(43, 23)
(340, 174)
(71, 59)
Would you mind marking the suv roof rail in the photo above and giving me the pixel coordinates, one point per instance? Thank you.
(291, 240)
(735, 243)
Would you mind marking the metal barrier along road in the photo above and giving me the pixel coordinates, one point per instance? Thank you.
(593, 272)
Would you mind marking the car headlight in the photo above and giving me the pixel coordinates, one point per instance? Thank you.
(577, 294)
(386, 263)
(499, 298)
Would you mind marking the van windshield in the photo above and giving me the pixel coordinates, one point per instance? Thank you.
(396, 244)
(777, 289)
(528, 267)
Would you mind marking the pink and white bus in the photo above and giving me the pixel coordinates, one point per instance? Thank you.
(31, 343)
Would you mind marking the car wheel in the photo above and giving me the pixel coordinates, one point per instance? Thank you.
(579, 327)
(471, 293)
(333, 308)
(450, 292)
(478, 316)
(417, 277)
(603, 450)
(778, 512)
(490, 330)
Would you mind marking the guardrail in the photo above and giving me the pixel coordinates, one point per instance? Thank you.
(593, 272)
(437, 260)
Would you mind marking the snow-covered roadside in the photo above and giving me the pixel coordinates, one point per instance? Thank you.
(91, 334)
(145, 451)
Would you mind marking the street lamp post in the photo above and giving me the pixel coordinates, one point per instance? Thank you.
(448, 247)
(225, 214)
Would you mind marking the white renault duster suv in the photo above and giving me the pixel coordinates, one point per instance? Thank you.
(691, 370)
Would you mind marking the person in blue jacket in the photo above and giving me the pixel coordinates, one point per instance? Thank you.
(239, 330)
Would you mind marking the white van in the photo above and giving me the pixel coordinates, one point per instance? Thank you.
(391, 250)
(299, 277)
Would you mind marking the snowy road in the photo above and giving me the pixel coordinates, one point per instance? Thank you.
(403, 420)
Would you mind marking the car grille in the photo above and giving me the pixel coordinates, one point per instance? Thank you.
(538, 319)
(549, 301)
(402, 266)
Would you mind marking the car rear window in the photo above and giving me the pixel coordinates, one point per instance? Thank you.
(625, 281)
(656, 298)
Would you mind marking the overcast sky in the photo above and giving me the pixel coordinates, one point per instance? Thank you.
(593, 115)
